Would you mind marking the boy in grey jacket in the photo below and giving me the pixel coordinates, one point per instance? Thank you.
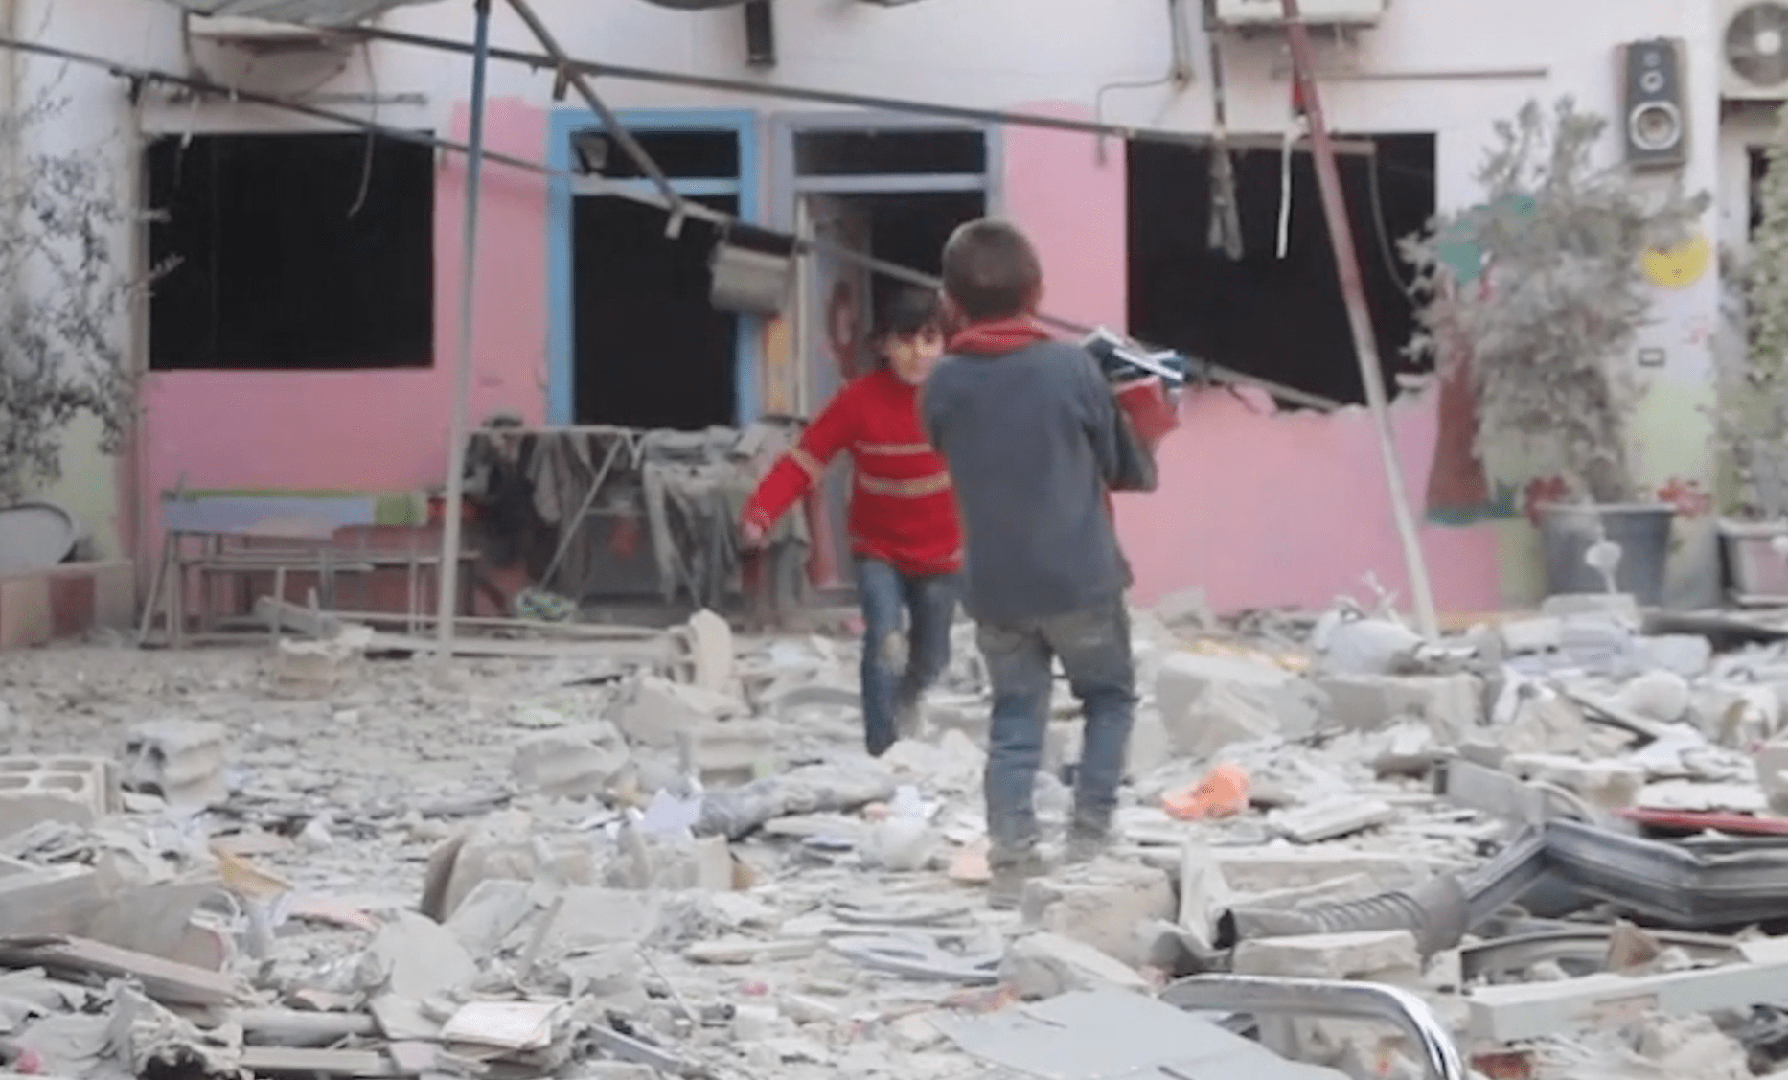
(1028, 427)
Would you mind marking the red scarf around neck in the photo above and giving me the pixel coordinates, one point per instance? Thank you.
(996, 338)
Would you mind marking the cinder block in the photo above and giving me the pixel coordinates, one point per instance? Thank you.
(76, 790)
(180, 760)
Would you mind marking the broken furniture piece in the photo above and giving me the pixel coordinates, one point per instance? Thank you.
(240, 542)
(1285, 998)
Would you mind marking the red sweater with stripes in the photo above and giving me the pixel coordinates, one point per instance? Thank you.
(902, 509)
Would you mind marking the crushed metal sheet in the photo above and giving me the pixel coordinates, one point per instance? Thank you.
(1108, 1035)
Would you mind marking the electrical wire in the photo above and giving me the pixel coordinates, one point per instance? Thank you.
(961, 113)
(1214, 372)
(372, 136)
(1382, 227)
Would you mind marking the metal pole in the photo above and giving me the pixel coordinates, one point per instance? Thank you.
(448, 572)
(1359, 316)
(611, 124)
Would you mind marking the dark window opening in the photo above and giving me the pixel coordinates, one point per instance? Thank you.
(911, 230)
(867, 153)
(649, 350)
(291, 252)
(1277, 319)
(686, 155)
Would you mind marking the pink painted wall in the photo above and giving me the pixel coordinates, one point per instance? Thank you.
(1258, 509)
(374, 431)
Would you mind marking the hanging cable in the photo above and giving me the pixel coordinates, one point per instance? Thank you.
(372, 137)
(1382, 227)
(693, 209)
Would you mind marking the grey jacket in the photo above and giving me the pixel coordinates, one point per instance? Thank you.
(1031, 441)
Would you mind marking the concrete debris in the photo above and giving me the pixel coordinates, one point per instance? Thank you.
(180, 760)
(540, 861)
(1046, 965)
(1377, 955)
(575, 762)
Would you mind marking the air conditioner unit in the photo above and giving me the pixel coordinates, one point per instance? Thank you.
(1244, 14)
(1753, 45)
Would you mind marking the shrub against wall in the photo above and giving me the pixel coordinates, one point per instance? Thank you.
(63, 292)
(1541, 286)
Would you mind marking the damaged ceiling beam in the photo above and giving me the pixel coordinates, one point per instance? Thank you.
(568, 72)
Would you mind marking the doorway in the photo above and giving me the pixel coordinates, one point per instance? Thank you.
(889, 187)
(648, 349)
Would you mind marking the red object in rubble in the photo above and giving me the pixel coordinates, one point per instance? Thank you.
(1694, 821)
(1151, 413)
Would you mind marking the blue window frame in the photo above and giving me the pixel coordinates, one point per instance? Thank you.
(748, 356)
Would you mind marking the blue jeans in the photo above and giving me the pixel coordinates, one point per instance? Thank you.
(1094, 646)
(898, 667)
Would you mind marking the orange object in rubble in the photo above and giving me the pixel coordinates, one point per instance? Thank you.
(1222, 793)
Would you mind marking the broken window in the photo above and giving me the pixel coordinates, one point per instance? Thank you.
(1277, 316)
(309, 251)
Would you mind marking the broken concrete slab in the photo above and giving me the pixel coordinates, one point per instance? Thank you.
(576, 762)
(1332, 819)
(420, 958)
(1100, 904)
(1378, 955)
(164, 980)
(1519, 1011)
(1247, 699)
(1045, 965)
(657, 712)
(1453, 705)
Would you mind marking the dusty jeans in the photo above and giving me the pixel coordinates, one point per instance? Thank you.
(897, 668)
(1094, 646)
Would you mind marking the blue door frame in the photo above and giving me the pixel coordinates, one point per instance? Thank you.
(748, 351)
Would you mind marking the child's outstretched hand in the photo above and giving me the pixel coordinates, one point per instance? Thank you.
(751, 535)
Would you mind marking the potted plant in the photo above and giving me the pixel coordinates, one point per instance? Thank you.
(1751, 421)
(1540, 289)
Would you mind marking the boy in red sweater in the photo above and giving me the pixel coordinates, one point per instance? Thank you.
(902, 521)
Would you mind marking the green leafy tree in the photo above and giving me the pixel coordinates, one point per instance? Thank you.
(62, 294)
(1541, 287)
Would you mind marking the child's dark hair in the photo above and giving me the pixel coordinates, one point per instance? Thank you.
(909, 313)
(991, 271)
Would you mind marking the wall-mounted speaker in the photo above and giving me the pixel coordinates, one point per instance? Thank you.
(760, 34)
(1656, 131)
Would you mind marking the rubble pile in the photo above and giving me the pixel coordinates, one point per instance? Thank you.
(1561, 834)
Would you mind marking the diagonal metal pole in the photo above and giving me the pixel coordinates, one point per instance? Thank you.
(1359, 316)
(448, 574)
(568, 71)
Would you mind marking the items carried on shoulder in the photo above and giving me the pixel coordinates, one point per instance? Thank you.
(1146, 386)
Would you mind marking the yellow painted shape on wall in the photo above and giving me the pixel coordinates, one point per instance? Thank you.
(1680, 266)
